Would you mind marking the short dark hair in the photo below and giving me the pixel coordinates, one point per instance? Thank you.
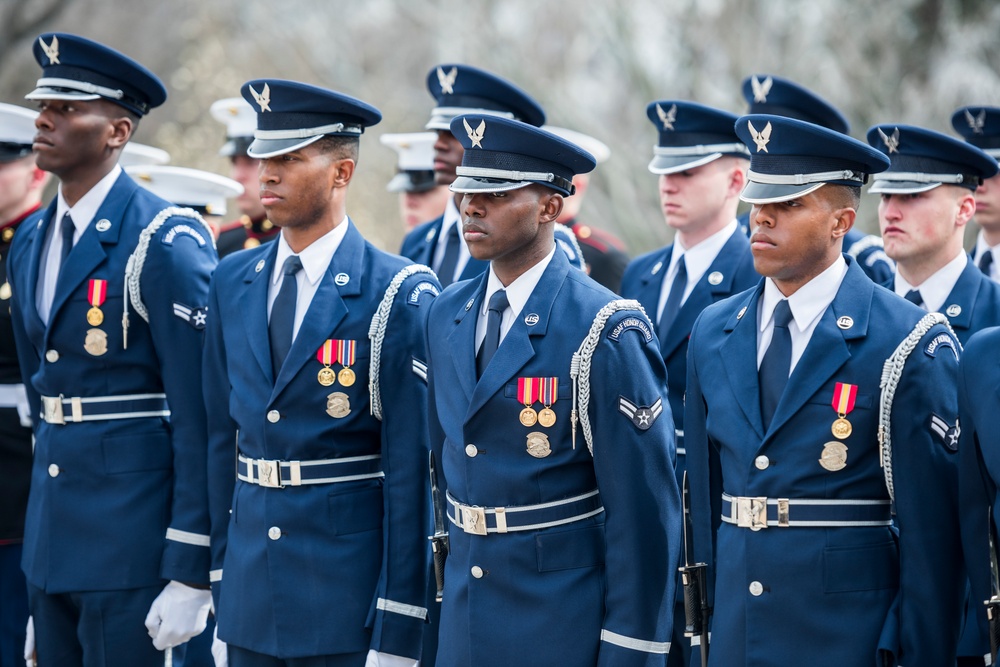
(845, 196)
(339, 147)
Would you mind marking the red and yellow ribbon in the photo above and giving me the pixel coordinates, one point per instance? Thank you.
(844, 396)
(333, 351)
(97, 292)
(527, 390)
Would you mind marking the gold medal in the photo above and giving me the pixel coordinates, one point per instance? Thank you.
(326, 376)
(96, 342)
(95, 317)
(538, 445)
(346, 376)
(546, 417)
(841, 428)
(834, 456)
(529, 417)
(338, 405)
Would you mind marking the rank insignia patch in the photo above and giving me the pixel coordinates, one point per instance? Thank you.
(946, 433)
(196, 317)
(420, 369)
(643, 416)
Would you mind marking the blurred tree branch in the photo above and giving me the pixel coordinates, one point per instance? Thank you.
(23, 18)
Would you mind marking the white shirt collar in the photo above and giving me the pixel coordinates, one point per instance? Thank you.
(697, 258)
(315, 257)
(982, 248)
(518, 291)
(84, 210)
(936, 289)
(808, 302)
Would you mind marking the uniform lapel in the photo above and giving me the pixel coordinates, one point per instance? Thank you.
(253, 304)
(739, 353)
(827, 350)
(328, 307)
(425, 255)
(462, 339)
(33, 323)
(650, 283)
(516, 349)
(88, 253)
(963, 295)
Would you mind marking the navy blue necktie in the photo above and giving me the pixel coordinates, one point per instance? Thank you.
(68, 229)
(674, 299)
(282, 322)
(986, 262)
(494, 315)
(776, 365)
(913, 296)
(446, 271)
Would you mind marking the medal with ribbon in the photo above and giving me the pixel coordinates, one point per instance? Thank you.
(326, 375)
(345, 355)
(97, 292)
(527, 394)
(548, 394)
(844, 396)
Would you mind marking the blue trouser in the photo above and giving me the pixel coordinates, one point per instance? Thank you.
(241, 657)
(94, 628)
(13, 606)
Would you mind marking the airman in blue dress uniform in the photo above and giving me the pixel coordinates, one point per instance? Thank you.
(555, 439)
(769, 94)
(980, 126)
(927, 199)
(104, 283)
(315, 370)
(702, 167)
(797, 455)
(460, 89)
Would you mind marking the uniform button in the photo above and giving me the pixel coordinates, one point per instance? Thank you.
(52, 356)
(274, 532)
(53, 470)
(471, 450)
(477, 572)
(273, 416)
(762, 462)
(756, 588)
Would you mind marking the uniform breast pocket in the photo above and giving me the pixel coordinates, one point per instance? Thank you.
(860, 568)
(568, 549)
(356, 511)
(137, 452)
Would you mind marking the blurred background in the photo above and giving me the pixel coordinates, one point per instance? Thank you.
(593, 64)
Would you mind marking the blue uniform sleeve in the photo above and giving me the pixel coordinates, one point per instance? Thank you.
(174, 287)
(222, 431)
(925, 479)
(634, 451)
(402, 590)
(977, 490)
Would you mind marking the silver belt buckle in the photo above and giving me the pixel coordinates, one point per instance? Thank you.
(268, 473)
(751, 512)
(473, 520)
(53, 409)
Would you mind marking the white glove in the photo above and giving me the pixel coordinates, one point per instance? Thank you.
(178, 613)
(30, 659)
(379, 659)
(219, 650)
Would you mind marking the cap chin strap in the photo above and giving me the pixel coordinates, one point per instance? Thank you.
(805, 179)
(700, 149)
(309, 132)
(918, 177)
(505, 175)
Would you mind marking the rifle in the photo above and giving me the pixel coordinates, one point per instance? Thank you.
(439, 540)
(696, 609)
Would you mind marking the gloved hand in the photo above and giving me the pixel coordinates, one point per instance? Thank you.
(178, 613)
(219, 650)
(30, 657)
(379, 659)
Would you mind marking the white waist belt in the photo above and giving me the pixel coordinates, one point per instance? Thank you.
(63, 410)
(477, 520)
(759, 512)
(275, 474)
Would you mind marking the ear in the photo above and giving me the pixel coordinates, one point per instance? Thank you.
(551, 204)
(966, 208)
(843, 222)
(121, 132)
(342, 172)
(737, 178)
